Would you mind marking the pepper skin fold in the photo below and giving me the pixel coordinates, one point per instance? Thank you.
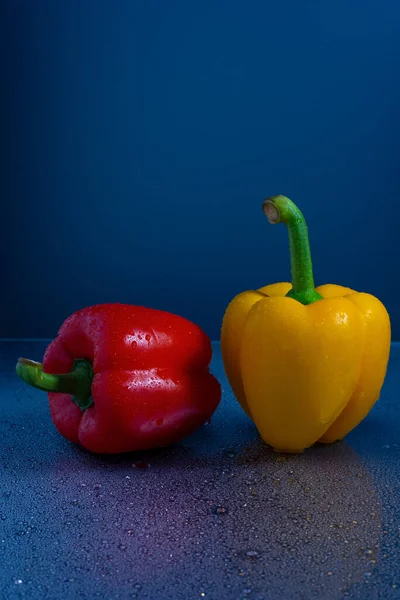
(306, 364)
(121, 378)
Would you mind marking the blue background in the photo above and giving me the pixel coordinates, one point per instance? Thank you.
(140, 138)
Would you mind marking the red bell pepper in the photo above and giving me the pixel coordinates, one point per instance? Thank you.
(122, 378)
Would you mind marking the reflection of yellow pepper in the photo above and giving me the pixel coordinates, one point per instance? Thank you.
(305, 364)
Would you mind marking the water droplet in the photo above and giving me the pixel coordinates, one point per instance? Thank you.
(18, 581)
(220, 510)
(148, 337)
(131, 532)
(368, 552)
(252, 554)
(367, 574)
(141, 464)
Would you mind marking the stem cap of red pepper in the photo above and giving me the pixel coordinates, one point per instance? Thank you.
(78, 382)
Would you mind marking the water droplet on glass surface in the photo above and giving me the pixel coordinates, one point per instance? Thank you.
(221, 510)
(367, 575)
(141, 464)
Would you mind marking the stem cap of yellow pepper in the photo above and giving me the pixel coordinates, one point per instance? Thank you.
(306, 364)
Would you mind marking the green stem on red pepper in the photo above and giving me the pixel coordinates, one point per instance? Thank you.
(78, 382)
(279, 209)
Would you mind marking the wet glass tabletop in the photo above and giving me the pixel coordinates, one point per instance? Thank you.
(219, 516)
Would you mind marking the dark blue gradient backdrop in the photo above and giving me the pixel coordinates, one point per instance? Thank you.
(139, 139)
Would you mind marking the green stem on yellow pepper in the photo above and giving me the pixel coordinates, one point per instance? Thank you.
(78, 382)
(279, 209)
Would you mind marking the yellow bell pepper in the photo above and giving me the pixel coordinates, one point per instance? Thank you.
(306, 364)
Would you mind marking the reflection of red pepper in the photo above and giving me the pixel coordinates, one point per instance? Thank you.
(123, 378)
